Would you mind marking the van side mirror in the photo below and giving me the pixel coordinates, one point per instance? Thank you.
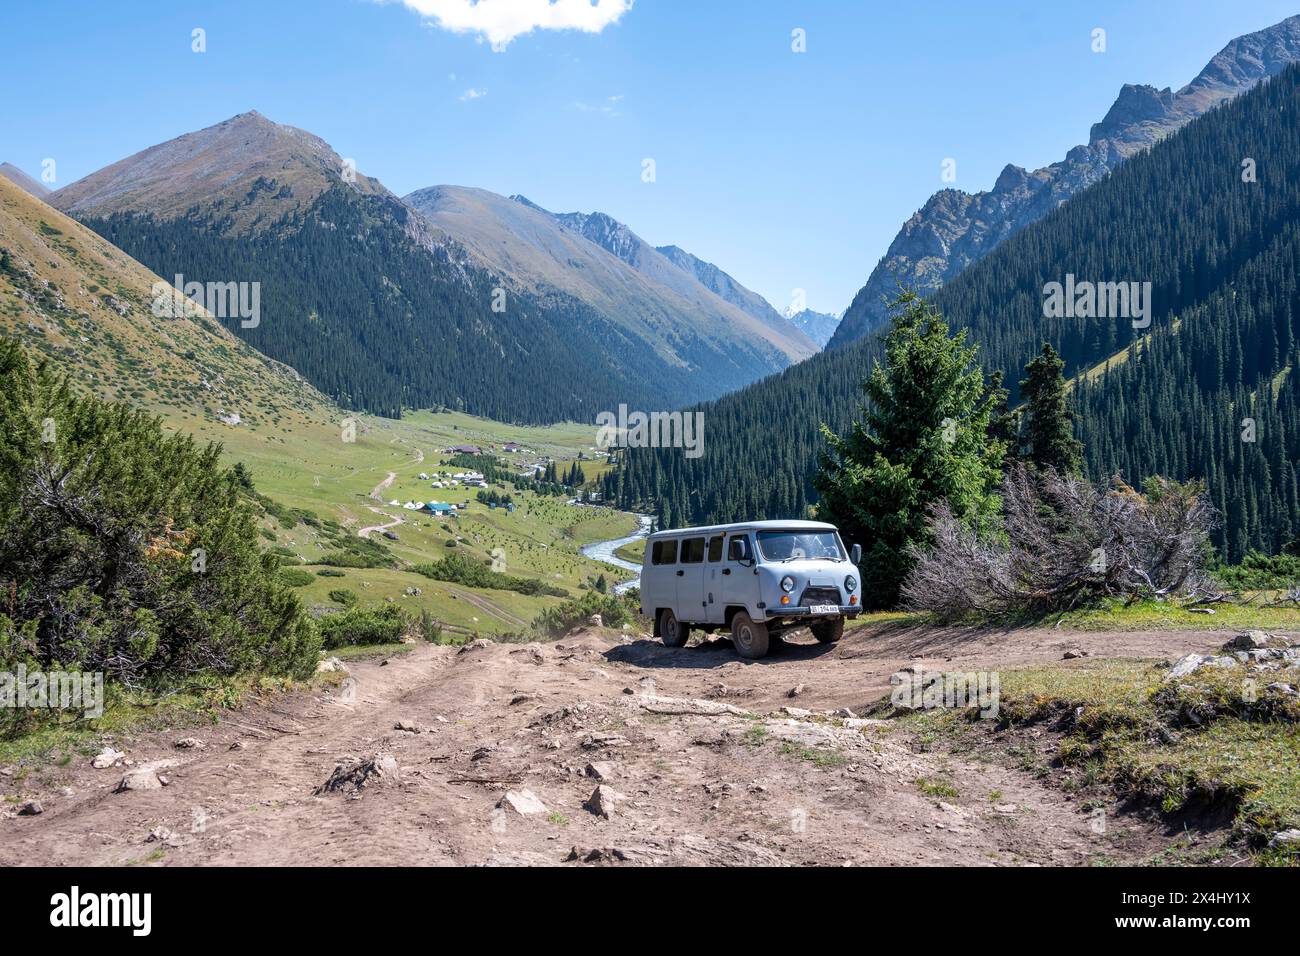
(743, 554)
(855, 554)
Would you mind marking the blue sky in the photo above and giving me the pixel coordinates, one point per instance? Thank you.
(787, 170)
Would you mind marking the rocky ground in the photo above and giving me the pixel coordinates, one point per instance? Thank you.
(603, 748)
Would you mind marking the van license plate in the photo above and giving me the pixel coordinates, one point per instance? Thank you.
(824, 609)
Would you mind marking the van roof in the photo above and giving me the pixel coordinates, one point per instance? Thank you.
(768, 525)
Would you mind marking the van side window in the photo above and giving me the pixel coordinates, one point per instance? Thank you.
(715, 548)
(664, 552)
(733, 549)
(692, 551)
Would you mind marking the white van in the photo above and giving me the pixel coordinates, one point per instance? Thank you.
(756, 579)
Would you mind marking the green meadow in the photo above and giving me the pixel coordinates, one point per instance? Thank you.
(302, 462)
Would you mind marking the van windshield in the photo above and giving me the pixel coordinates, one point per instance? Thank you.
(793, 545)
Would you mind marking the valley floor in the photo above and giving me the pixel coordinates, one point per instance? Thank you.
(704, 765)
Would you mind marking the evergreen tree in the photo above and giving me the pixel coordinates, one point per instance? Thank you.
(923, 437)
(1047, 438)
(128, 550)
(1003, 425)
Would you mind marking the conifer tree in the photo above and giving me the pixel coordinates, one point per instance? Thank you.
(1047, 437)
(923, 436)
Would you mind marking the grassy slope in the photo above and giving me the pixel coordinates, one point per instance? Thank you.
(1122, 729)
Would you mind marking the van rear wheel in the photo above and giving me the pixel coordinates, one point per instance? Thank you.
(673, 631)
(749, 636)
(828, 632)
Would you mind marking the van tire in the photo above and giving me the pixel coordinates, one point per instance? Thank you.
(828, 632)
(749, 636)
(673, 631)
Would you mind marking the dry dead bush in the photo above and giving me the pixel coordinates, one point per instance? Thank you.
(1065, 542)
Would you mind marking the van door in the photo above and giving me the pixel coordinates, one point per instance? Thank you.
(659, 586)
(714, 608)
(690, 581)
(738, 581)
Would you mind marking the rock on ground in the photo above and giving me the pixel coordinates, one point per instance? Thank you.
(355, 774)
(602, 801)
(523, 802)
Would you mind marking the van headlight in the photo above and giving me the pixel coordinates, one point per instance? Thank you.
(850, 584)
(787, 584)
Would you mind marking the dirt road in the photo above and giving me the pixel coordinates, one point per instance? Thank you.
(377, 491)
(702, 766)
(393, 523)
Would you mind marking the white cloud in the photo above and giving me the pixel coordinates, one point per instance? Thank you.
(473, 93)
(500, 21)
(607, 107)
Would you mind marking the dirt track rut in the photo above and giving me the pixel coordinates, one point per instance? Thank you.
(693, 786)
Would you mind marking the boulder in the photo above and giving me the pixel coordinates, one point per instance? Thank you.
(330, 665)
(523, 802)
(355, 774)
(189, 743)
(600, 770)
(1192, 663)
(1250, 641)
(164, 836)
(602, 801)
(106, 758)
(796, 690)
(1285, 839)
(142, 778)
(32, 808)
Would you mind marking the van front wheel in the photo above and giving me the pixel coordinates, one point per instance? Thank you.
(828, 632)
(673, 631)
(749, 636)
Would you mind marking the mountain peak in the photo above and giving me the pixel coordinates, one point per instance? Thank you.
(1244, 62)
(955, 228)
(19, 178)
(525, 201)
(1137, 103)
(246, 168)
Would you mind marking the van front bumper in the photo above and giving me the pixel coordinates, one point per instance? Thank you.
(845, 610)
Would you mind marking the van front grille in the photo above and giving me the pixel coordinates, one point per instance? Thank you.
(819, 595)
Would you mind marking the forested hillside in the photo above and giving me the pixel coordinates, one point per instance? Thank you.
(1217, 238)
(380, 323)
(384, 311)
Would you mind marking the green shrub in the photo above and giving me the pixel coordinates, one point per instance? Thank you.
(330, 573)
(615, 610)
(377, 625)
(430, 628)
(461, 569)
(344, 596)
(128, 550)
(1260, 571)
(296, 577)
(349, 559)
